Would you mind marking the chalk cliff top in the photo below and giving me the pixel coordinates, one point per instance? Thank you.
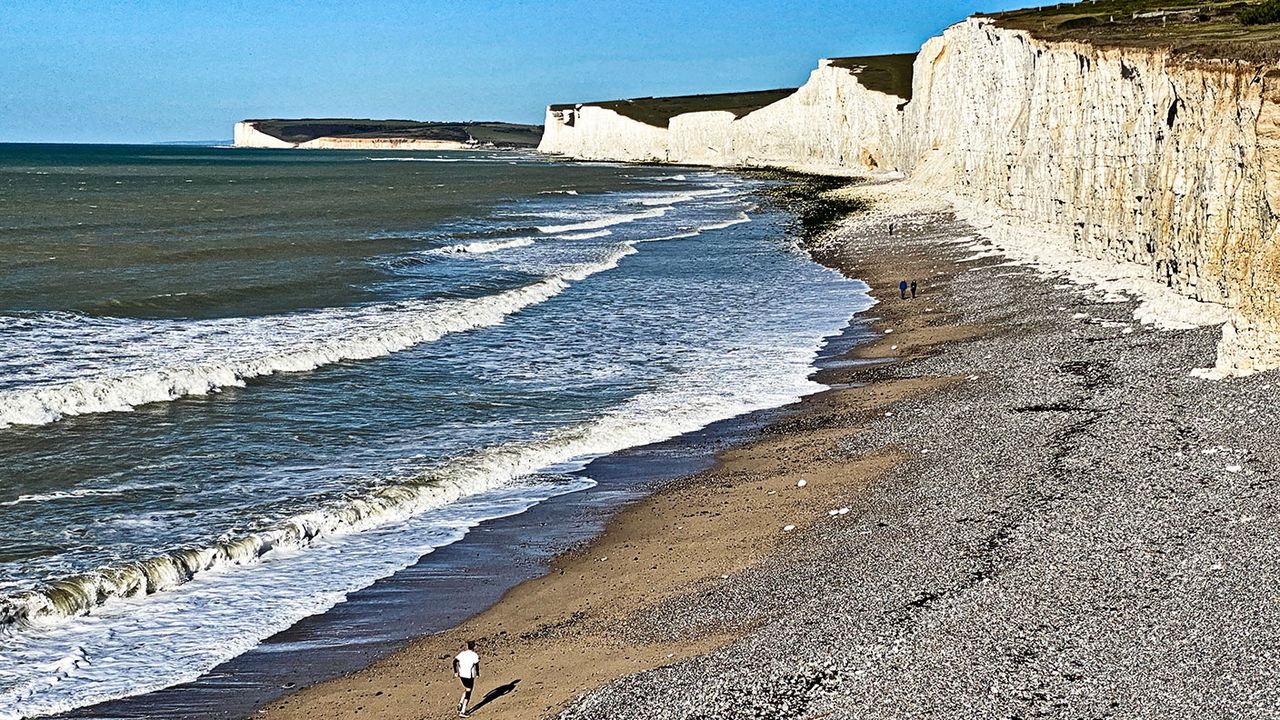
(305, 129)
(888, 74)
(1233, 30)
(658, 111)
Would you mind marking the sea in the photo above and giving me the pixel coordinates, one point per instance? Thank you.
(238, 385)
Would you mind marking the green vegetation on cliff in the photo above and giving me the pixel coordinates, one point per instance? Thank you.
(658, 111)
(1234, 30)
(496, 133)
(1263, 13)
(888, 74)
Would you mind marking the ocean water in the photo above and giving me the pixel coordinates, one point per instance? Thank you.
(236, 385)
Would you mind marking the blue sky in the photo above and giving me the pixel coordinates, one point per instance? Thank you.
(156, 70)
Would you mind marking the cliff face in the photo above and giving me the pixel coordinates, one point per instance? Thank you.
(595, 133)
(246, 135)
(831, 123)
(845, 127)
(1121, 154)
(1125, 155)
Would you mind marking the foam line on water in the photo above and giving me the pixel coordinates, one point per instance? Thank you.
(584, 235)
(491, 246)
(422, 159)
(481, 248)
(66, 495)
(55, 679)
(605, 221)
(711, 227)
(317, 339)
(686, 196)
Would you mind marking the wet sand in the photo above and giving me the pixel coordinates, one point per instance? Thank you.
(553, 638)
(1078, 526)
(1039, 511)
(440, 591)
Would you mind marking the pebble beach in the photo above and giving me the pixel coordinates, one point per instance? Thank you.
(1017, 501)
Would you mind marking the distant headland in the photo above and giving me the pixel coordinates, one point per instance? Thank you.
(362, 134)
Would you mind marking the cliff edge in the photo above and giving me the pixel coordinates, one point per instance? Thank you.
(349, 134)
(1163, 162)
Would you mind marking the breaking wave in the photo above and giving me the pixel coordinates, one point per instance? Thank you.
(605, 221)
(647, 418)
(481, 248)
(585, 235)
(312, 340)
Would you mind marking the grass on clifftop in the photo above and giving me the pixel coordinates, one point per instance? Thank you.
(658, 111)
(302, 130)
(888, 74)
(1263, 13)
(1215, 30)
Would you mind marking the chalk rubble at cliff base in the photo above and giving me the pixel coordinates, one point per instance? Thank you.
(1157, 305)
(1080, 529)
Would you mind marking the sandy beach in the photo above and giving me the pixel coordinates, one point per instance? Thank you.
(1016, 501)
(680, 370)
(588, 621)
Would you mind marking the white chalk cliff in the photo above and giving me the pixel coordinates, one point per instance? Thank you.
(831, 124)
(248, 135)
(1162, 165)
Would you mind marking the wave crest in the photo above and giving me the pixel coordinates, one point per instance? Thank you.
(361, 334)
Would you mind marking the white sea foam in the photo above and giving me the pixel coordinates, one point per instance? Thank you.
(422, 159)
(65, 495)
(741, 218)
(605, 221)
(308, 562)
(672, 198)
(585, 235)
(481, 248)
(263, 346)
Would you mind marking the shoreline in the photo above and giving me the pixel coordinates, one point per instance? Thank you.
(1078, 525)
(375, 621)
(500, 553)
(553, 635)
(1019, 501)
(549, 638)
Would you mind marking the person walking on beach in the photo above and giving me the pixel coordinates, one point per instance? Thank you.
(902, 289)
(913, 289)
(466, 667)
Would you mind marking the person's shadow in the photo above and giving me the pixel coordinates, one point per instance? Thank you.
(494, 694)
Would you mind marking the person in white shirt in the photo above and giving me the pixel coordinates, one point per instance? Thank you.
(466, 667)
